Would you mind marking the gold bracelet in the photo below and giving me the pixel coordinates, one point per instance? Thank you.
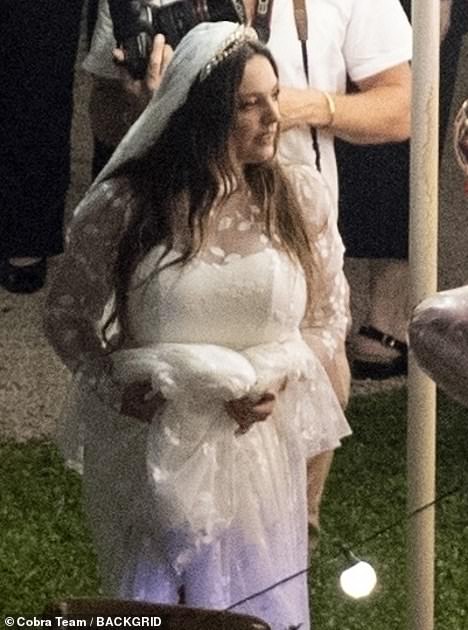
(331, 108)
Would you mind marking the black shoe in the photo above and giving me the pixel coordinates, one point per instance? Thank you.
(27, 279)
(379, 370)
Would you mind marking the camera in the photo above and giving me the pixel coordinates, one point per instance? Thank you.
(136, 22)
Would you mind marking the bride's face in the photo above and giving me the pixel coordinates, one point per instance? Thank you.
(253, 138)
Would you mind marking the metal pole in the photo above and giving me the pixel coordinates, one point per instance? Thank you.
(421, 448)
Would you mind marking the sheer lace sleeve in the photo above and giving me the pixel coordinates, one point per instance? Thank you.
(327, 320)
(82, 290)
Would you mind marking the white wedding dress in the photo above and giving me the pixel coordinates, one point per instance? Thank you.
(186, 501)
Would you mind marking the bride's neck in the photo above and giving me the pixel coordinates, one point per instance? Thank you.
(237, 183)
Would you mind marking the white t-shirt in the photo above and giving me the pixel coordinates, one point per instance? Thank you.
(356, 37)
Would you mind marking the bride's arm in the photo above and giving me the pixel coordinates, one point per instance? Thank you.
(82, 290)
(325, 327)
(327, 319)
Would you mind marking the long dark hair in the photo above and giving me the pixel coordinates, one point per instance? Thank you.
(190, 162)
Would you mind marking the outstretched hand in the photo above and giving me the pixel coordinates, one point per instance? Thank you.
(160, 56)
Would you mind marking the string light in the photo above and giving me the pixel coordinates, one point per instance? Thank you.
(359, 579)
(369, 573)
(366, 540)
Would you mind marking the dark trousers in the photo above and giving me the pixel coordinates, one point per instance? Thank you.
(38, 44)
(374, 180)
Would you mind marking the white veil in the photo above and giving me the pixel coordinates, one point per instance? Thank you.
(201, 48)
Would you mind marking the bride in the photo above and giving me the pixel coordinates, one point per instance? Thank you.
(202, 307)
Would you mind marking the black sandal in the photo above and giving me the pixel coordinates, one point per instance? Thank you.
(26, 279)
(378, 370)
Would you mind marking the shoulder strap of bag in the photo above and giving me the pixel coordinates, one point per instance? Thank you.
(262, 19)
(300, 17)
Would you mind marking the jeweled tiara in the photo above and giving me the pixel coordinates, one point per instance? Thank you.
(233, 42)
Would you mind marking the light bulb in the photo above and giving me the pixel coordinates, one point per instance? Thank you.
(359, 580)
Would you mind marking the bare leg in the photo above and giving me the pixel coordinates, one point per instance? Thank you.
(388, 308)
(317, 472)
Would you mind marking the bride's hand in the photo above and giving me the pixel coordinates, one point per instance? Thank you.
(141, 402)
(247, 411)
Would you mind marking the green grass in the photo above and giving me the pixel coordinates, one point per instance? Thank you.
(366, 492)
(45, 551)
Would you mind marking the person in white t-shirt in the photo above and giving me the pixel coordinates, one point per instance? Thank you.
(374, 182)
(369, 41)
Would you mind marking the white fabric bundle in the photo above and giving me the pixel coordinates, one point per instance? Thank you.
(180, 370)
(187, 478)
(192, 447)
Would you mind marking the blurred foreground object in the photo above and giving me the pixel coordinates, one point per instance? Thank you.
(113, 612)
(438, 334)
(438, 330)
(460, 139)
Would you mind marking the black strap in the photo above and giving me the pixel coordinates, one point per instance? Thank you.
(300, 17)
(386, 340)
(262, 19)
(261, 24)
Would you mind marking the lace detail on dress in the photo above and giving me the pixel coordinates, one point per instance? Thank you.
(184, 499)
(328, 317)
(236, 229)
(82, 292)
